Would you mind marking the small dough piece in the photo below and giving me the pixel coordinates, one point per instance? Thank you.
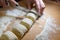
(27, 22)
(9, 36)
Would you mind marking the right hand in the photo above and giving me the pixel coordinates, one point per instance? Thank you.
(39, 5)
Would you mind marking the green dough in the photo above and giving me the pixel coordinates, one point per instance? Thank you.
(4, 37)
(30, 18)
(25, 24)
(17, 33)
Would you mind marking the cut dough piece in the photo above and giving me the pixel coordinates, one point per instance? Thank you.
(27, 22)
(31, 16)
(9, 36)
(19, 30)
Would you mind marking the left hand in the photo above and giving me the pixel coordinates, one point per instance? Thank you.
(3, 2)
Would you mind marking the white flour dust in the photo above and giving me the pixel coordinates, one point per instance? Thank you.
(4, 21)
(51, 30)
(15, 13)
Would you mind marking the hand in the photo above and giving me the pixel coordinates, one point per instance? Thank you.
(39, 5)
(3, 2)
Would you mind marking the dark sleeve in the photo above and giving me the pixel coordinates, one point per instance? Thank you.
(17, 0)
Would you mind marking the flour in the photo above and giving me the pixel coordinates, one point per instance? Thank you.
(10, 13)
(4, 21)
(43, 17)
(18, 12)
(51, 30)
(15, 12)
(1, 32)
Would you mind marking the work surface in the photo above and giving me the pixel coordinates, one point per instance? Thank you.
(50, 10)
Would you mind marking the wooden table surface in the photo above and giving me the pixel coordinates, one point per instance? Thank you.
(50, 10)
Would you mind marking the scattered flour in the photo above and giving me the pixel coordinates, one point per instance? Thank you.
(51, 30)
(15, 13)
(44, 17)
(4, 21)
(1, 32)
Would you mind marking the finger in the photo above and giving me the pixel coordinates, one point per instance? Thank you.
(28, 2)
(38, 8)
(37, 5)
(14, 2)
(3, 3)
(29, 6)
(42, 4)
